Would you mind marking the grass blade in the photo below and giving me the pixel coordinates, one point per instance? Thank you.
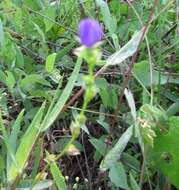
(25, 147)
(51, 117)
(58, 177)
(7, 143)
(37, 158)
(13, 137)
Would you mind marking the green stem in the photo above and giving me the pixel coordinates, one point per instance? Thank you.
(77, 132)
(83, 107)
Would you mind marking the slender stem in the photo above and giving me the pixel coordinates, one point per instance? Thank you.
(66, 148)
(149, 52)
(100, 71)
(78, 121)
(142, 172)
(159, 62)
(134, 58)
(83, 107)
(48, 164)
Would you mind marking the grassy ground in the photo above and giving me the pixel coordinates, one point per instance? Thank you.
(130, 137)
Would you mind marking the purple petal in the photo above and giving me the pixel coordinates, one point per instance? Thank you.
(90, 32)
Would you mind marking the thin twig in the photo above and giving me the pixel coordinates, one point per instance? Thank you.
(95, 112)
(86, 163)
(142, 171)
(134, 58)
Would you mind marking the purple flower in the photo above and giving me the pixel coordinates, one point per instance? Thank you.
(90, 32)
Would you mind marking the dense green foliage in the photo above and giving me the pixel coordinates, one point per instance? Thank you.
(122, 132)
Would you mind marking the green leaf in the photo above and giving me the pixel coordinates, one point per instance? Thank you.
(115, 41)
(141, 72)
(134, 185)
(56, 76)
(49, 14)
(19, 58)
(131, 161)
(26, 145)
(131, 103)
(7, 143)
(115, 153)
(40, 185)
(164, 154)
(49, 65)
(173, 109)
(35, 5)
(151, 118)
(34, 92)
(15, 131)
(58, 177)
(110, 22)
(107, 94)
(10, 80)
(65, 50)
(118, 176)
(2, 166)
(61, 143)
(30, 80)
(13, 137)
(39, 30)
(103, 91)
(99, 145)
(126, 51)
(2, 77)
(56, 108)
(37, 159)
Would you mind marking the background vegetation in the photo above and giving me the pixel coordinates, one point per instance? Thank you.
(130, 138)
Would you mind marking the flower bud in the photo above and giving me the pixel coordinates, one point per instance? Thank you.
(90, 32)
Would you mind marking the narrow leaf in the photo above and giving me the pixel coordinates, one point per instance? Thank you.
(53, 114)
(10, 80)
(126, 51)
(49, 13)
(19, 58)
(110, 22)
(40, 185)
(65, 50)
(32, 79)
(15, 130)
(13, 137)
(39, 30)
(134, 185)
(118, 176)
(115, 153)
(7, 143)
(131, 103)
(26, 145)
(99, 145)
(58, 177)
(49, 65)
(37, 159)
(173, 109)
